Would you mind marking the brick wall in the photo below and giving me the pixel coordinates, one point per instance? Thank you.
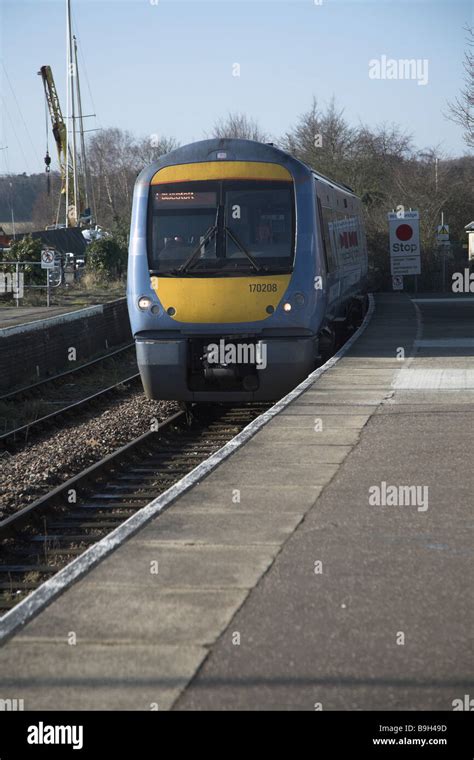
(40, 349)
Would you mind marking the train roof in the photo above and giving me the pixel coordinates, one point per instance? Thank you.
(332, 182)
(250, 150)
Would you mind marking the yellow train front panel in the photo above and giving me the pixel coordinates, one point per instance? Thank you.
(214, 300)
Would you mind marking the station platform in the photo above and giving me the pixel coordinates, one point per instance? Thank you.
(324, 565)
(34, 342)
(24, 315)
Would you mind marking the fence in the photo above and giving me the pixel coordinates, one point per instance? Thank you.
(13, 281)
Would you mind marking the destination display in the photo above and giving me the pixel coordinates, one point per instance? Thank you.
(186, 198)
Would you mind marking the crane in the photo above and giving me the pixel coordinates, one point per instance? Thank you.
(64, 152)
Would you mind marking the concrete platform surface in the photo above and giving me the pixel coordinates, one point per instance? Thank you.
(287, 579)
(12, 316)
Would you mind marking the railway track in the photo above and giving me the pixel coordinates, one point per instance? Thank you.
(46, 535)
(48, 391)
(28, 391)
(43, 537)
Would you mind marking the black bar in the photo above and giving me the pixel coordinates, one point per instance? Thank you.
(316, 734)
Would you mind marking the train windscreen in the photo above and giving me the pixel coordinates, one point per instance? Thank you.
(221, 227)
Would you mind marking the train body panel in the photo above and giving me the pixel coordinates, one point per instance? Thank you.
(237, 244)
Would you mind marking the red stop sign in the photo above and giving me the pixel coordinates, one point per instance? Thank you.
(404, 232)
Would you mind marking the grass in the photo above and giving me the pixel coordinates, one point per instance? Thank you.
(89, 290)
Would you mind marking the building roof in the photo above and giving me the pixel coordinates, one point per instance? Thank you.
(19, 228)
(68, 240)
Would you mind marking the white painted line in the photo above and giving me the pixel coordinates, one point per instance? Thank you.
(46, 322)
(461, 299)
(58, 319)
(418, 334)
(42, 596)
(448, 379)
(445, 343)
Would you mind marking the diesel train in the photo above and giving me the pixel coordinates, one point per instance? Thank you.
(244, 266)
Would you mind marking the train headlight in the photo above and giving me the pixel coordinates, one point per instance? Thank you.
(144, 303)
(287, 306)
(299, 299)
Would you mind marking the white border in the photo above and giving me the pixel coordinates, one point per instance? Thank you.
(42, 596)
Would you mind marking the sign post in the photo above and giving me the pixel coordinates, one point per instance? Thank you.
(442, 239)
(442, 234)
(404, 234)
(48, 263)
(17, 284)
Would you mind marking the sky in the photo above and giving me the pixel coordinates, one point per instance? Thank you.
(167, 67)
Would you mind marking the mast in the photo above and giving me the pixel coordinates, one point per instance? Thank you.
(81, 130)
(67, 115)
(71, 75)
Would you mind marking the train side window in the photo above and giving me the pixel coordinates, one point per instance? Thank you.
(323, 234)
(328, 227)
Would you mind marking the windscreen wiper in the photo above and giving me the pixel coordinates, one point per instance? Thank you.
(207, 237)
(240, 245)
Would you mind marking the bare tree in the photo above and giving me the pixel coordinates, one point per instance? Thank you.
(115, 159)
(112, 169)
(46, 205)
(151, 148)
(461, 109)
(302, 140)
(238, 125)
(426, 182)
(374, 156)
(321, 139)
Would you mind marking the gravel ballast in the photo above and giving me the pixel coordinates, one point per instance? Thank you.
(54, 457)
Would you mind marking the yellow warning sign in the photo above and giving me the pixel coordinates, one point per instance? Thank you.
(442, 233)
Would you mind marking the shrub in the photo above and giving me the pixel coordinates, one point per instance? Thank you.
(106, 257)
(27, 249)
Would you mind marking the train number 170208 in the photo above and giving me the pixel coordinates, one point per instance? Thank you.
(263, 287)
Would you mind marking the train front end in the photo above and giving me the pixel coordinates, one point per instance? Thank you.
(218, 306)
